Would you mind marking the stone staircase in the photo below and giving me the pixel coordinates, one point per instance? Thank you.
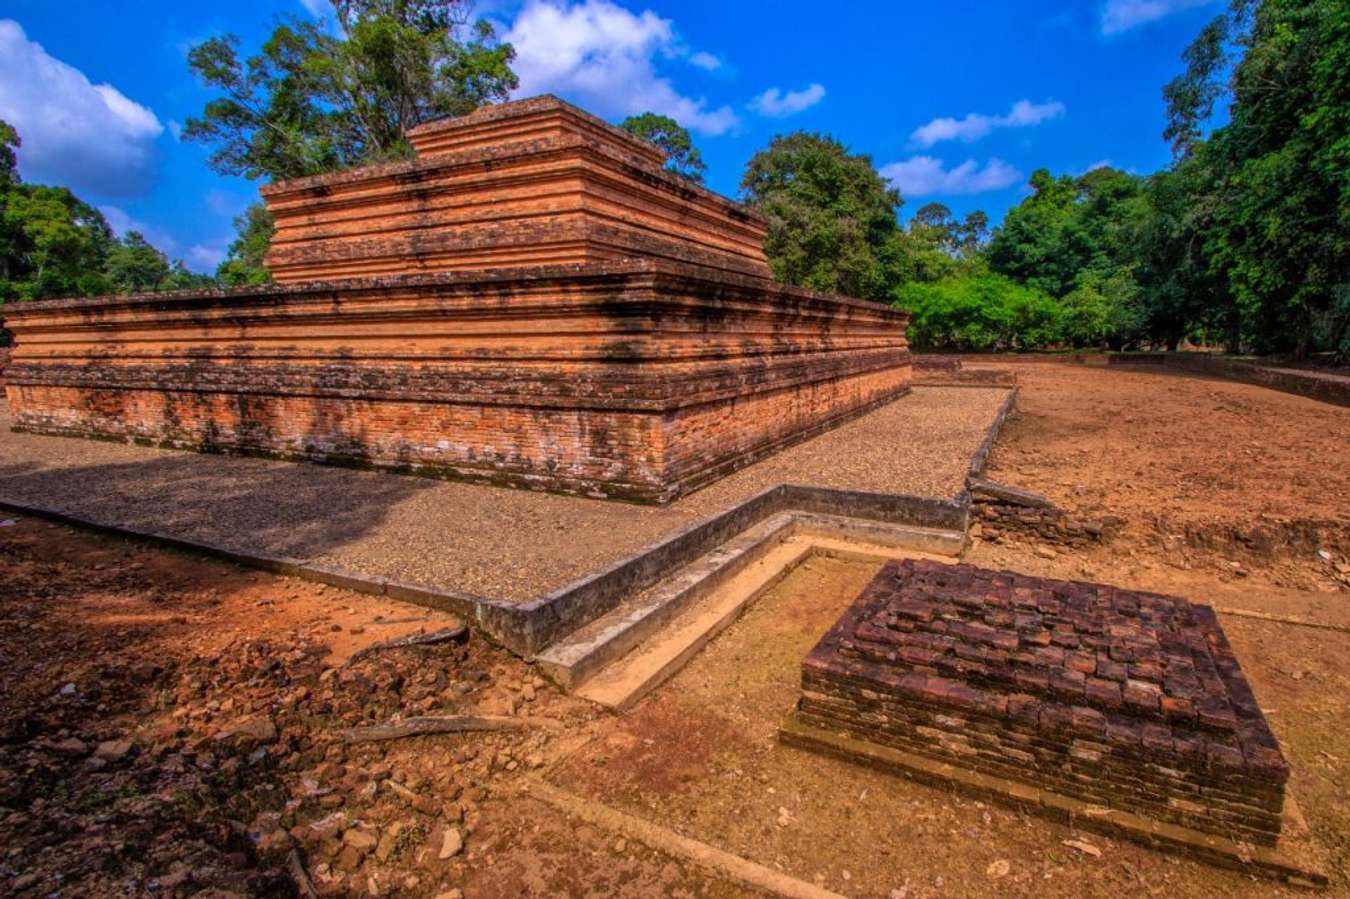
(619, 657)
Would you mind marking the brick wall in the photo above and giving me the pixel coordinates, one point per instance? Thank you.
(1123, 699)
(638, 380)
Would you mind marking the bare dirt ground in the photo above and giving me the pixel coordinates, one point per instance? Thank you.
(169, 727)
(170, 724)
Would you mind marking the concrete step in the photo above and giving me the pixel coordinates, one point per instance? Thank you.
(623, 682)
(581, 653)
(620, 656)
(909, 537)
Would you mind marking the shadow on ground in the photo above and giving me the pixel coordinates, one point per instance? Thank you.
(301, 511)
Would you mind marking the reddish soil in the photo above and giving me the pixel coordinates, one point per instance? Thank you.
(196, 751)
(170, 728)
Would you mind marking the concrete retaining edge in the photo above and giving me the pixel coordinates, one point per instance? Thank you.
(525, 628)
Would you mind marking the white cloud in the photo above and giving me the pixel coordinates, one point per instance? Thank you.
(1122, 15)
(1099, 164)
(922, 176)
(317, 8)
(775, 104)
(203, 258)
(604, 57)
(87, 136)
(121, 222)
(974, 126)
(705, 61)
(200, 257)
(175, 128)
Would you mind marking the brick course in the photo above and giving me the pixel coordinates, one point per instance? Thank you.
(1119, 698)
(533, 301)
(638, 380)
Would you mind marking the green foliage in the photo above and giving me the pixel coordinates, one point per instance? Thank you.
(55, 244)
(979, 313)
(9, 158)
(312, 101)
(682, 157)
(243, 265)
(134, 266)
(832, 217)
(1273, 183)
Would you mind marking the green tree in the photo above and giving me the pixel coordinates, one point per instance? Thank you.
(243, 265)
(682, 157)
(57, 244)
(313, 101)
(9, 155)
(1275, 179)
(134, 266)
(832, 217)
(981, 312)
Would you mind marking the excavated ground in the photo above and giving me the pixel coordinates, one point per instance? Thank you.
(174, 719)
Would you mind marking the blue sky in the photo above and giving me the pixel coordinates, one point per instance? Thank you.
(954, 102)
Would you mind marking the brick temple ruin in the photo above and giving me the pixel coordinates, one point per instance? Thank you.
(532, 301)
(1121, 699)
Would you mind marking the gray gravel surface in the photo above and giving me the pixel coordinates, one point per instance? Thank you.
(488, 541)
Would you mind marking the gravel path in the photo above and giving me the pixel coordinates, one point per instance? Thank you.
(489, 541)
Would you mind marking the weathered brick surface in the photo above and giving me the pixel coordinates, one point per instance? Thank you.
(640, 379)
(532, 301)
(1120, 698)
(532, 182)
(999, 510)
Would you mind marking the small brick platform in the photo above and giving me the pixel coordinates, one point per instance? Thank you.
(1118, 698)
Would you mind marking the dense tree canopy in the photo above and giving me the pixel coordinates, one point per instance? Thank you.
(832, 217)
(243, 265)
(53, 244)
(682, 157)
(313, 101)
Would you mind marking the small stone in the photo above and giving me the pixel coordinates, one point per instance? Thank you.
(1084, 847)
(389, 841)
(67, 690)
(362, 840)
(329, 825)
(349, 859)
(250, 730)
(113, 750)
(455, 893)
(1046, 552)
(452, 844)
(998, 868)
(71, 746)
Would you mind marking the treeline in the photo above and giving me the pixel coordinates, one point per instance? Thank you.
(1243, 241)
(53, 244)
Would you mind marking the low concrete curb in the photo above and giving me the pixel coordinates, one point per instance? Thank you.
(525, 628)
(1313, 385)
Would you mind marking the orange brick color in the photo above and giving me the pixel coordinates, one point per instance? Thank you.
(532, 301)
(638, 380)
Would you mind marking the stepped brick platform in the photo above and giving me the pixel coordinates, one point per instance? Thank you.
(1126, 700)
(639, 380)
(534, 182)
(539, 304)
